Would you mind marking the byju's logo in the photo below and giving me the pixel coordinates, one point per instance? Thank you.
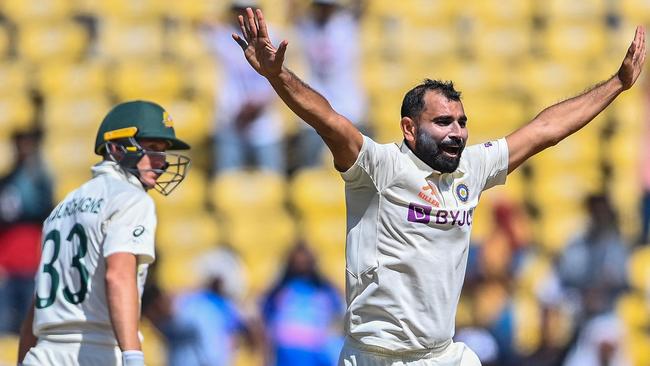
(419, 213)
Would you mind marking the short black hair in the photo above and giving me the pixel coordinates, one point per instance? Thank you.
(413, 102)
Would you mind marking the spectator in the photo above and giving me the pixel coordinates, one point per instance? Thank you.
(301, 312)
(25, 201)
(248, 125)
(329, 35)
(600, 343)
(201, 327)
(593, 267)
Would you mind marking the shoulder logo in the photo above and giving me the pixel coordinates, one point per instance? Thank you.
(167, 120)
(462, 192)
(488, 144)
(139, 230)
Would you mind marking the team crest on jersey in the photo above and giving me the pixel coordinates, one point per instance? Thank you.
(167, 120)
(462, 192)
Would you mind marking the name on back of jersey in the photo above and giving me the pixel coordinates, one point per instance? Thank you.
(76, 205)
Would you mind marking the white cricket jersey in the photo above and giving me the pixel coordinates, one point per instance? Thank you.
(408, 232)
(110, 213)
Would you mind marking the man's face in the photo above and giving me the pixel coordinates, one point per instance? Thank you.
(148, 162)
(441, 132)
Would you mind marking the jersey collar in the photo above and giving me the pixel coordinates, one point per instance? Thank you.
(115, 170)
(405, 149)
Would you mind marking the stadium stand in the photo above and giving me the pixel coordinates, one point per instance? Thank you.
(64, 63)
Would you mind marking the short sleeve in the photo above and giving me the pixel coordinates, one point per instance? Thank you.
(132, 228)
(490, 161)
(375, 162)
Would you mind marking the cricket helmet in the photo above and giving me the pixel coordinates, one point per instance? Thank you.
(130, 122)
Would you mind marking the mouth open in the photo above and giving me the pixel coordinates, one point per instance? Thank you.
(451, 150)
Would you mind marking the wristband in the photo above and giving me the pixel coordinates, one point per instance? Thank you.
(132, 358)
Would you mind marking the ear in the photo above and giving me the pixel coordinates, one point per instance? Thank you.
(115, 151)
(409, 130)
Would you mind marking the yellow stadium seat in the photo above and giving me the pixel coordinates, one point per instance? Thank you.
(77, 116)
(197, 10)
(8, 349)
(318, 192)
(527, 318)
(5, 41)
(326, 235)
(500, 43)
(7, 152)
(261, 234)
(193, 119)
(123, 40)
(15, 77)
(153, 80)
(27, 11)
(203, 77)
(639, 269)
(176, 272)
(632, 309)
(153, 344)
(499, 12)
(189, 196)
(185, 42)
(189, 233)
(16, 112)
(248, 193)
(47, 42)
(637, 346)
(420, 12)
(625, 192)
(573, 10)
(549, 81)
(333, 267)
(566, 41)
(636, 11)
(134, 10)
(70, 157)
(67, 180)
(74, 79)
(492, 116)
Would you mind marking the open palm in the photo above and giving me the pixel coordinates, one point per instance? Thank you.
(633, 62)
(258, 49)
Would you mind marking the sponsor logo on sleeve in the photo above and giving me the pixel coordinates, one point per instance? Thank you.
(138, 230)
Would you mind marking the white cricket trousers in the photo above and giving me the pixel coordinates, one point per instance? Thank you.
(48, 353)
(454, 354)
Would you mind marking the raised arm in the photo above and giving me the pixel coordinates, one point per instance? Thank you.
(340, 135)
(555, 123)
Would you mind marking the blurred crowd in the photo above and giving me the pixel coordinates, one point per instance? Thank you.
(227, 293)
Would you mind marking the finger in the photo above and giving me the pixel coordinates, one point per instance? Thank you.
(252, 26)
(243, 44)
(242, 26)
(264, 33)
(282, 49)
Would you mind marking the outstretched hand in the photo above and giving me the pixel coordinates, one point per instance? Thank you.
(633, 61)
(256, 43)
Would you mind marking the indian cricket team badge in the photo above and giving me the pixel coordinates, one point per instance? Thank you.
(462, 192)
(167, 120)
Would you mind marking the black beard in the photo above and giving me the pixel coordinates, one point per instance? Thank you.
(429, 152)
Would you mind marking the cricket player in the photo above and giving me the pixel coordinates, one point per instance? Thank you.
(98, 243)
(410, 206)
